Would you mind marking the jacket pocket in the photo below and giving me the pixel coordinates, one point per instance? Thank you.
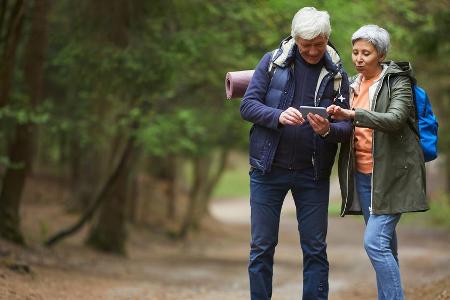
(257, 139)
(327, 156)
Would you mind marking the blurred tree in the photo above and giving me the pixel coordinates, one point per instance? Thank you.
(127, 85)
(135, 87)
(419, 33)
(116, 85)
(12, 16)
(22, 145)
(209, 38)
(108, 232)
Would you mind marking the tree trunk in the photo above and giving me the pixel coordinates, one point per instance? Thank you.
(109, 231)
(13, 183)
(447, 171)
(191, 219)
(86, 171)
(202, 188)
(9, 205)
(106, 191)
(171, 192)
(21, 149)
(223, 157)
(132, 199)
(13, 32)
(168, 174)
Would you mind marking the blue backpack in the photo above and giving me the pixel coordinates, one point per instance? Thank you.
(427, 123)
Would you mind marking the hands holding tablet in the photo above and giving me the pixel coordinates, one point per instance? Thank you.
(291, 116)
(316, 117)
(319, 124)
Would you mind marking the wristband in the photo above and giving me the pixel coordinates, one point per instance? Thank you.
(326, 133)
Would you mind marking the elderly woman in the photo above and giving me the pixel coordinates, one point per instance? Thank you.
(381, 169)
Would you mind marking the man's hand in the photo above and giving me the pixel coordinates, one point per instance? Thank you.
(339, 113)
(319, 125)
(291, 116)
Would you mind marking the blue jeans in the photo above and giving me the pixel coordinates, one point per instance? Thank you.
(380, 242)
(267, 193)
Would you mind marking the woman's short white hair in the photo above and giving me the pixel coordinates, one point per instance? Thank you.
(374, 34)
(309, 23)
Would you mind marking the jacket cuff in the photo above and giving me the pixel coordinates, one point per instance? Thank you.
(276, 121)
(359, 117)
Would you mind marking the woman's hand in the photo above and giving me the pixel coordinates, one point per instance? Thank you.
(339, 113)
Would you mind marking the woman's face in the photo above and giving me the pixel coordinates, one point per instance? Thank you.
(365, 58)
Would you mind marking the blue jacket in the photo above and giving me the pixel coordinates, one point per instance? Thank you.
(266, 98)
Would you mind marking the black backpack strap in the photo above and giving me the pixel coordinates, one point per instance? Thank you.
(272, 66)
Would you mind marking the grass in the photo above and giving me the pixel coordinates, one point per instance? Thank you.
(234, 183)
(437, 216)
(334, 209)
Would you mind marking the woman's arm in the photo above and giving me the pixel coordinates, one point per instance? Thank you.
(398, 110)
(390, 121)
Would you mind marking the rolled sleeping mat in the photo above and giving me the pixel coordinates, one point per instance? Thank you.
(236, 83)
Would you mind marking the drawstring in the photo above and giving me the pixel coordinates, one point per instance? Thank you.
(340, 84)
(338, 91)
(389, 88)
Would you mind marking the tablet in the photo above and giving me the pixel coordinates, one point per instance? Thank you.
(321, 111)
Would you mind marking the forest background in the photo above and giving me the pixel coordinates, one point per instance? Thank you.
(121, 104)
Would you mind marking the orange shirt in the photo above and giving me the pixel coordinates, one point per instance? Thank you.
(363, 136)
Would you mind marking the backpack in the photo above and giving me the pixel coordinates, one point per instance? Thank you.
(427, 123)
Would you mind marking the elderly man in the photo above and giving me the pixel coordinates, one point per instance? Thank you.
(291, 151)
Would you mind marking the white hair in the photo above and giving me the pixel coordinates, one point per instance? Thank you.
(374, 34)
(309, 23)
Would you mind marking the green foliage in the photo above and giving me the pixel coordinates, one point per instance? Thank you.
(235, 181)
(440, 212)
(24, 115)
(175, 133)
(437, 216)
(161, 65)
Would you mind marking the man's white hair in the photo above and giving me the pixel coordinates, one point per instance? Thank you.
(309, 23)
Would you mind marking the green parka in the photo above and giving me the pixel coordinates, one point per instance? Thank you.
(398, 176)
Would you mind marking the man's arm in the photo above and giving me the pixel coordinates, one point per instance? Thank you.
(253, 106)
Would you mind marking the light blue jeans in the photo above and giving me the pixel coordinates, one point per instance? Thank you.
(380, 242)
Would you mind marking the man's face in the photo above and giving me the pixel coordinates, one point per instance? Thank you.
(313, 50)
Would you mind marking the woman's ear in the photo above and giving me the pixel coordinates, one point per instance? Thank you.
(381, 58)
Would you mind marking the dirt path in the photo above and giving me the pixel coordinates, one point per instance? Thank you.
(424, 255)
(214, 266)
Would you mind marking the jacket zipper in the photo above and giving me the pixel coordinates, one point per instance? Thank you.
(374, 103)
(348, 172)
(371, 177)
(316, 103)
